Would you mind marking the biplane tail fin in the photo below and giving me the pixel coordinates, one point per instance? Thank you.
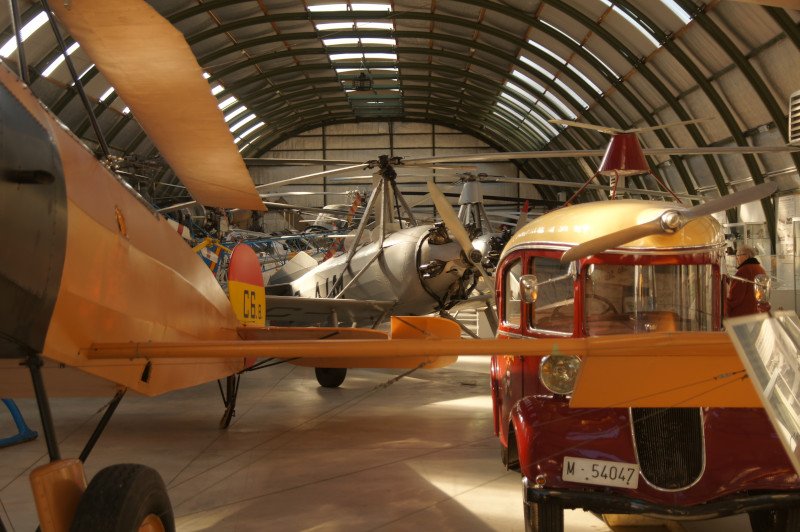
(246, 286)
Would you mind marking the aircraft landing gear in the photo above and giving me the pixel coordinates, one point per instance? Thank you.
(125, 497)
(229, 399)
(330, 377)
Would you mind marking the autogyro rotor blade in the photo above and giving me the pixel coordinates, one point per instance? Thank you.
(614, 131)
(669, 221)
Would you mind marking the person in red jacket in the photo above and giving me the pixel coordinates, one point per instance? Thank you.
(741, 298)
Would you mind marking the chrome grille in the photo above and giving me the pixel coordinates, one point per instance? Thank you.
(669, 445)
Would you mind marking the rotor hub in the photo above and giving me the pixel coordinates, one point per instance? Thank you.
(671, 221)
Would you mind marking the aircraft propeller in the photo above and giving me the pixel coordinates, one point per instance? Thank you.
(461, 236)
(670, 221)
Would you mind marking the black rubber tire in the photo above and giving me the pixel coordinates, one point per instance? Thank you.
(545, 516)
(330, 377)
(120, 497)
(776, 520)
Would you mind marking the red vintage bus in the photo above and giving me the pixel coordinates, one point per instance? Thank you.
(673, 461)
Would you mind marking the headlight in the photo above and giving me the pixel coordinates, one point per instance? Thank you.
(559, 372)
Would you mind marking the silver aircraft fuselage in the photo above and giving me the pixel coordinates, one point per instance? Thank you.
(394, 275)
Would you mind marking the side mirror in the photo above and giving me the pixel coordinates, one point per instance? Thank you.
(761, 287)
(529, 288)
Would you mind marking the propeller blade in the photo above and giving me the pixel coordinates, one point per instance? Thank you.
(584, 125)
(670, 221)
(612, 240)
(172, 102)
(450, 219)
(731, 200)
(459, 233)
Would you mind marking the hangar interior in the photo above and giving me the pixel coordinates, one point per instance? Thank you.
(310, 86)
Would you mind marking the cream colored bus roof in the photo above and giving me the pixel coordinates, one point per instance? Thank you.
(569, 226)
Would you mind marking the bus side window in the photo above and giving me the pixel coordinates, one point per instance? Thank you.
(554, 307)
(511, 297)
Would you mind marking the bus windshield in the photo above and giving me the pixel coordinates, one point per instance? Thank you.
(624, 299)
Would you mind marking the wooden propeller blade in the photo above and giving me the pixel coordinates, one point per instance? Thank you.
(731, 200)
(662, 224)
(454, 225)
(612, 240)
(449, 217)
(152, 68)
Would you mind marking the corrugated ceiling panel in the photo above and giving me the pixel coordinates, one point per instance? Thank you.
(742, 98)
(703, 49)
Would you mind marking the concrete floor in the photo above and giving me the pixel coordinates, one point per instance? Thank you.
(419, 453)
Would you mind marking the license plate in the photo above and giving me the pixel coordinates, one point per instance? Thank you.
(600, 472)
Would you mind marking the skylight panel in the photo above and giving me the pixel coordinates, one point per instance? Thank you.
(216, 89)
(519, 75)
(60, 59)
(639, 25)
(83, 74)
(571, 93)
(236, 112)
(559, 31)
(541, 70)
(243, 122)
(515, 101)
(344, 57)
(380, 55)
(533, 127)
(206, 75)
(613, 72)
(584, 78)
(510, 110)
(378, 40)
(27, 30)
(253, 128)
(375, 25)
(126, 111)
(345, 70)
(547, 110)
(371, 7)
(678, 10)
(227, 102)
(327, 8)
(339, 41)
(547, 51)
(558, 103)
(334, 26)
(105, 95)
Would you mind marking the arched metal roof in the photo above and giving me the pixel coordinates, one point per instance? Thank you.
(495, 70)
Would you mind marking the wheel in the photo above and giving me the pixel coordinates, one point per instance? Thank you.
(330, 377)
(546, 516)
(775, 520)
(125, 498)
(509, 463)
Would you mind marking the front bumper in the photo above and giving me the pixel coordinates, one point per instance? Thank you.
(612, 503)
